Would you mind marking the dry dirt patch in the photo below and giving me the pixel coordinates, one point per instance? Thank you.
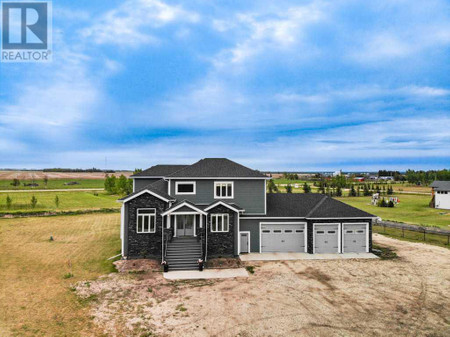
(403, 297)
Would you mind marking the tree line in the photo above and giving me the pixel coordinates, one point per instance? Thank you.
(426, 177)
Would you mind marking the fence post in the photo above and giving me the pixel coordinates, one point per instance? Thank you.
(403, 232)
(448, 240)
(424, 231)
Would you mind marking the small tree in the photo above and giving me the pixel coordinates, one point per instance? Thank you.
(33, 201)
(353, 191)
(390, 190)
(288, 188)
(339, 191)
(306, 188)
(45, 181)
(16, 182)
(390, 203)
(8, 202)
(382, 203)
(272, 187)
(57, 201)
(121, 185)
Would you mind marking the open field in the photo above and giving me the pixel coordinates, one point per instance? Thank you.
(407, 296)
(35, 299)
(67, 201)
(53, 184)
(412, 209)
(30, 175)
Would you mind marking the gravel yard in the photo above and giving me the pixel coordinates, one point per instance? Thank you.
(408, 296)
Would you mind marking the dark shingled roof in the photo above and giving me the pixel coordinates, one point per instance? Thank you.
(309, 205)
(217, 167)
(332, 208)
(441, 185)
(159, 187)
(159, 171)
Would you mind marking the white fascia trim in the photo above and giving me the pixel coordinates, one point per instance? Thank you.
(224, 178)
(146, 191)
(122, 228)
(264, 218)
(194, 184)
(184, 203)
(223, 204)
(341, 218)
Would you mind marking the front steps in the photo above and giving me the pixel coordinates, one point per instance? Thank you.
(183, 253)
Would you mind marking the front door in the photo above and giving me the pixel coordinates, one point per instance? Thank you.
(185, 225)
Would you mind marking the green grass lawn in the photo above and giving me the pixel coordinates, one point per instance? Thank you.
(412, 209)
(67, 201)
(52, 184)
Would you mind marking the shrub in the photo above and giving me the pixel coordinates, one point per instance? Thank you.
(306, 188)
(250, 269)
(33, 201)
(339, 191)
(390, 203)
(68, 275)
(288, 188)
(56, 201)
(8, 202)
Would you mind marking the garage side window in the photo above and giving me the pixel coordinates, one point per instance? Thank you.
(220, 223)
(146, 220)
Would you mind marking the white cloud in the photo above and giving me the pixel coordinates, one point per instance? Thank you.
(129, 24)
(262, 32)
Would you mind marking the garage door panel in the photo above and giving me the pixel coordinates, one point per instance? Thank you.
(283, 237)
(355, 238)
(326, 238)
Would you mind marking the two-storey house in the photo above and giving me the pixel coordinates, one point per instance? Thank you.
(216, 207)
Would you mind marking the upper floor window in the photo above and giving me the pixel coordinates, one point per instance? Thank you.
(146, 220)
(185, 187)
(223, 189)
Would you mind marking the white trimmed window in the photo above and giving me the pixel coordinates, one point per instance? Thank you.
(220, 223)
(146, 220)
(223, 189)
(185, 187)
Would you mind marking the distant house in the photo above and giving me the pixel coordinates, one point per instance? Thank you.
(218, 208)
(441, 194)
(391, 178)
(360, 179)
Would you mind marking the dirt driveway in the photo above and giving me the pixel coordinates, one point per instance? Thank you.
(408, 296)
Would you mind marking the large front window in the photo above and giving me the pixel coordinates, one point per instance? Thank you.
(146, 220)
(223, 189)
(220, 222)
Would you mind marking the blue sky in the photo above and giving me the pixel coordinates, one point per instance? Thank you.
(285, 85)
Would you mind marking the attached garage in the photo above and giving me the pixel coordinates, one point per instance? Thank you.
(326, 238)
(355, 237)
(283, 237)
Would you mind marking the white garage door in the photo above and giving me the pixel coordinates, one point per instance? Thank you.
(283, 238)
(326, 238)
(355, 238)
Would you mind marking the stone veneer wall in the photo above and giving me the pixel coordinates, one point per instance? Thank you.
(149, 244)
(221, 244)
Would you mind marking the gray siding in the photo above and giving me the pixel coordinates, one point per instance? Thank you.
(139, 184)
(252, 225)
(248, 193)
